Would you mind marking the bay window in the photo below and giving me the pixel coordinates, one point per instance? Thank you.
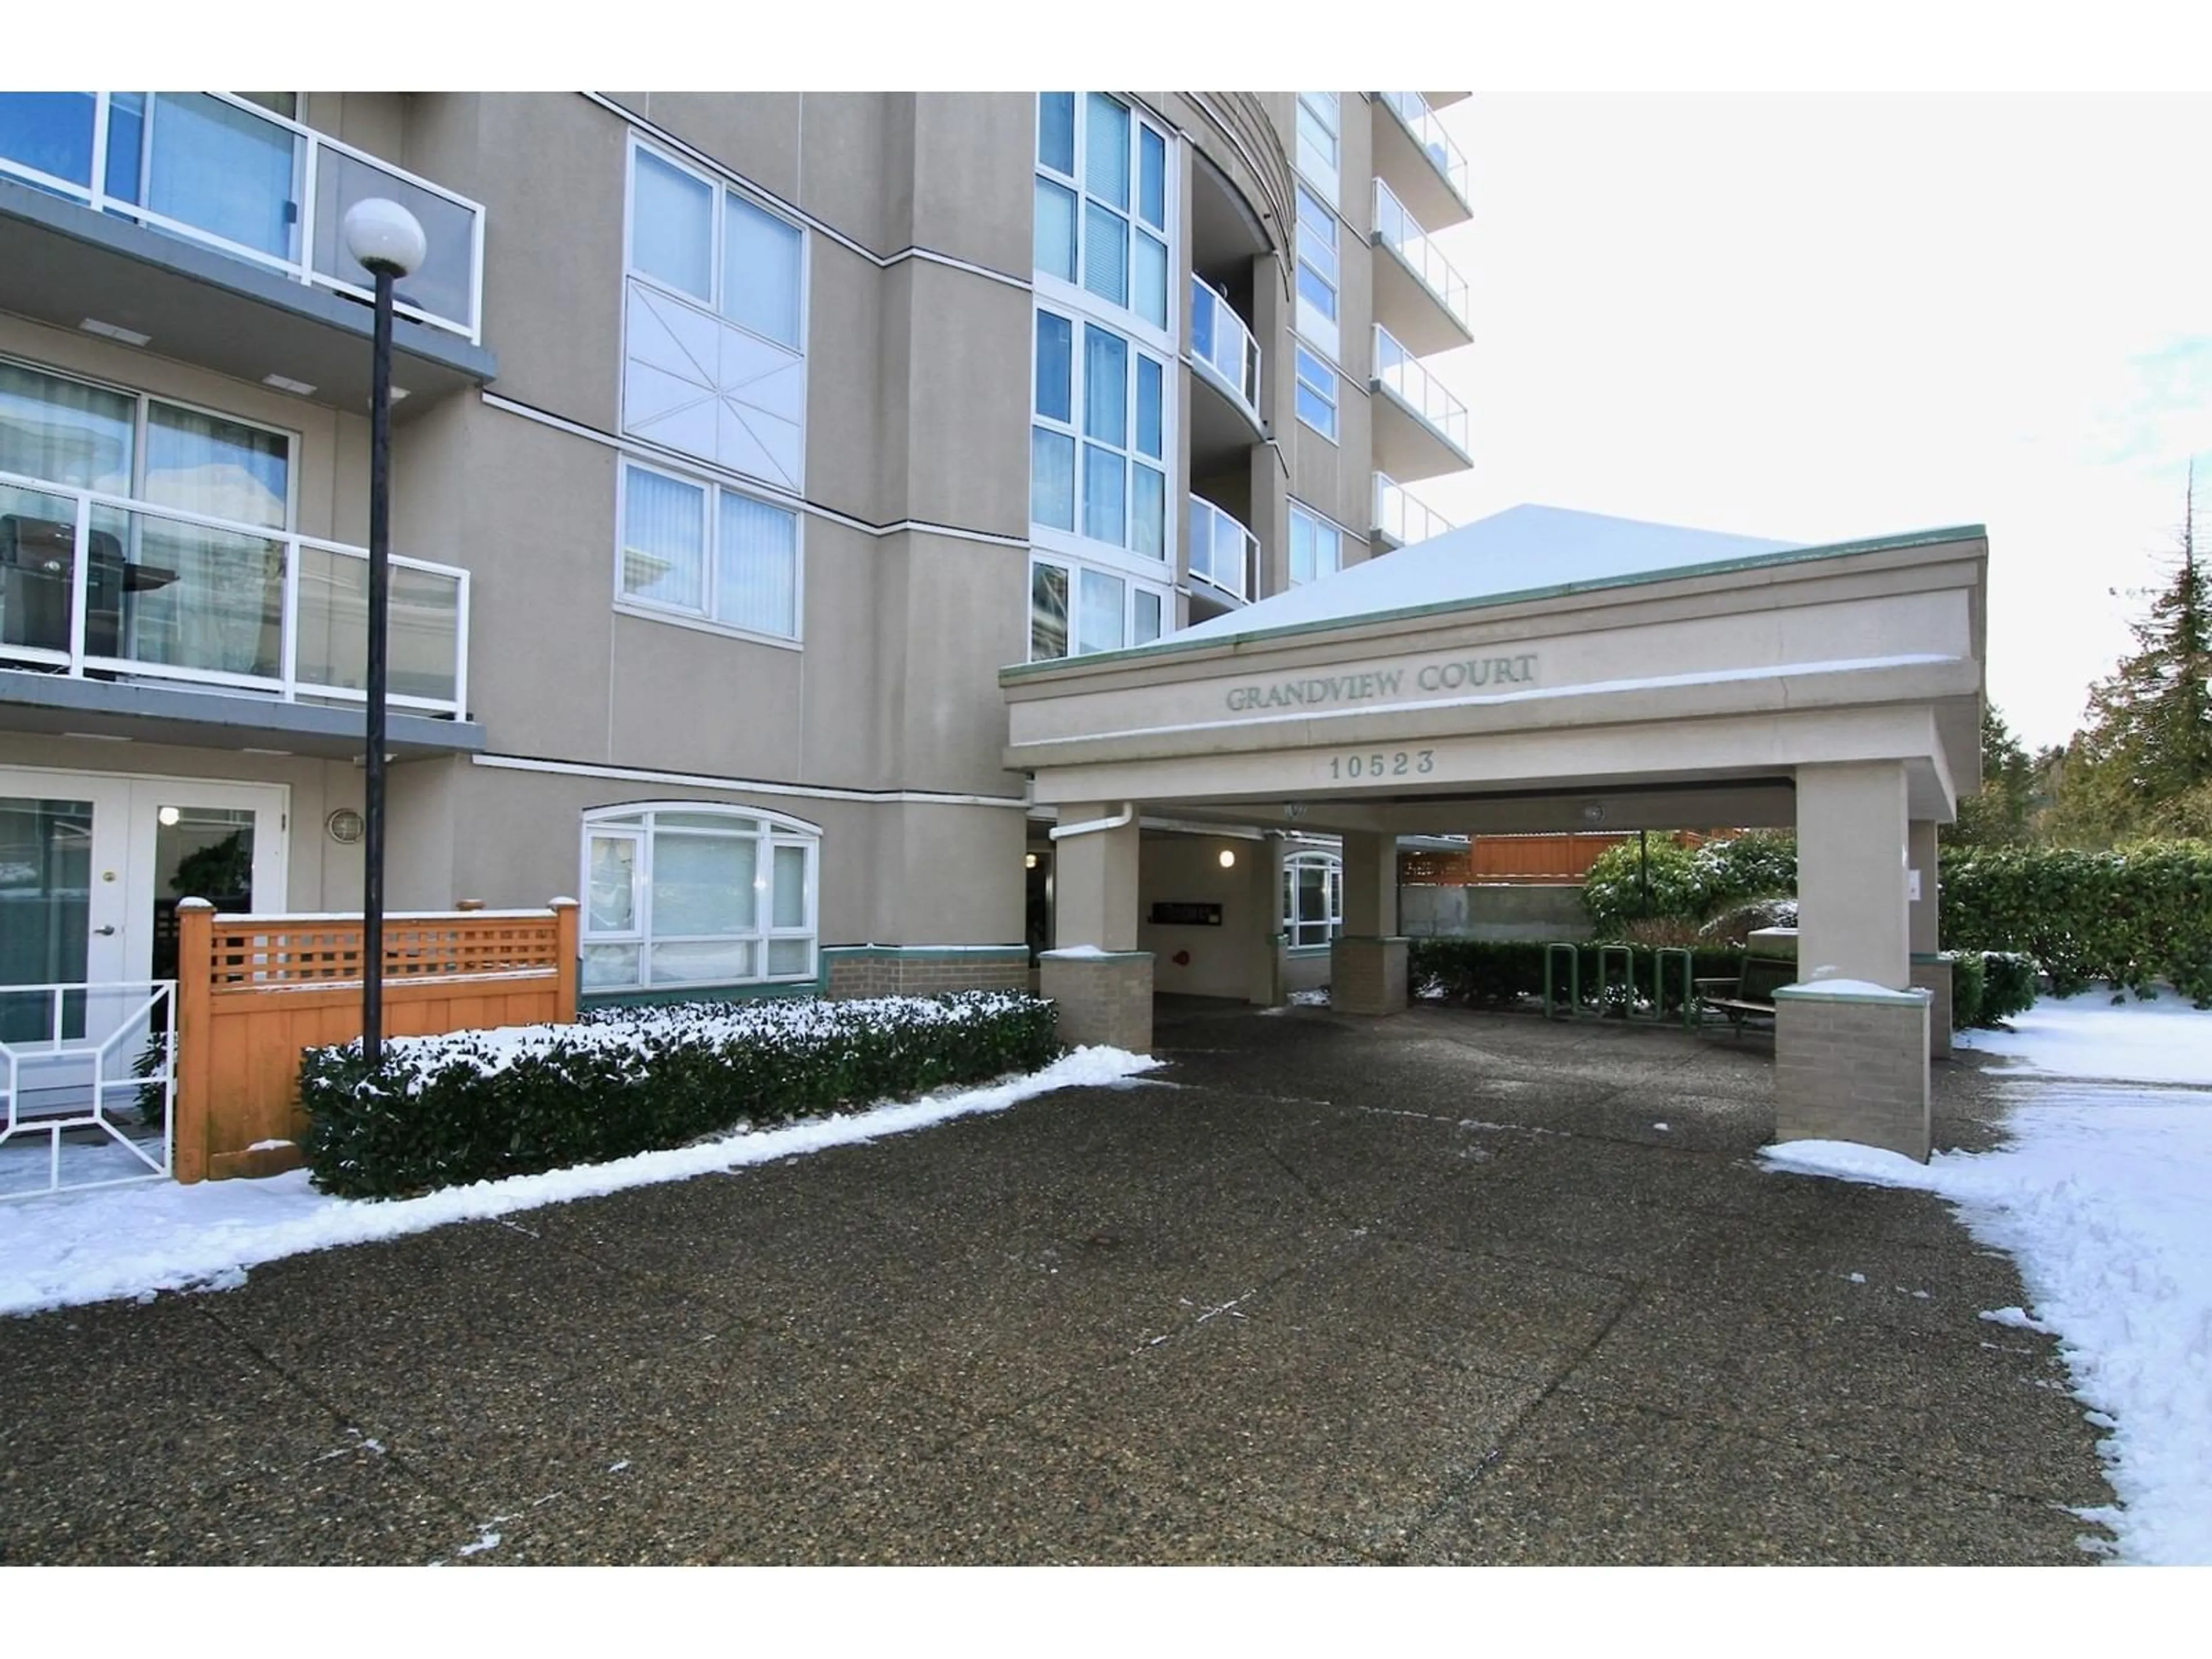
(691, 893)
(1098, 447)
(1102, 202)
(1076, 609)
(708, 551)
(1317, 273)
(1318, 122)
(1313, 898)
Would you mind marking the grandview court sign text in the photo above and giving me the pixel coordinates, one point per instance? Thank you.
(1319, 691)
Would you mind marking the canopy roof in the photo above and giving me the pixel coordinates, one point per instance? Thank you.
(1524, 552)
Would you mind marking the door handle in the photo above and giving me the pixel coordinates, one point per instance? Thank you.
(106, 932)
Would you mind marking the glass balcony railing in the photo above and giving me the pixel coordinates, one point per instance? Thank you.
(1224, 554)
(103, 587)
(1428, 132)
(1399, 372)
(1402, 516)
(212, 168)
(1401, 233)
(1224, 346)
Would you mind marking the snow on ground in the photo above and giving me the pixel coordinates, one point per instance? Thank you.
(2103, 1198)
(74, 1248)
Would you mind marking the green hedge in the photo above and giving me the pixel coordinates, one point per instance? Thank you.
(1631, 882)
(481, 1105)
(2130, 917)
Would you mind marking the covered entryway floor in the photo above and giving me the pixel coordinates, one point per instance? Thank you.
(1436, 1288)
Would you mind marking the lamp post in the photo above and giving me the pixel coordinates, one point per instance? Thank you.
(388, 241)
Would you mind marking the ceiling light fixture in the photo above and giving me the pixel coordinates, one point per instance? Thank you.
(114, 332)
(285, 383)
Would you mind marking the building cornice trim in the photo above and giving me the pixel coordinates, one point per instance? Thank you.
(742, 785)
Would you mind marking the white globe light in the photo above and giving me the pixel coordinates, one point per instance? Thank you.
(382, 235)
(1228, 857)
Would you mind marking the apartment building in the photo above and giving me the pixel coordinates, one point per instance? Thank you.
(742, 440)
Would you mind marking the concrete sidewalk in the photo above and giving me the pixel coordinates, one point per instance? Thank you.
(1436, 1289)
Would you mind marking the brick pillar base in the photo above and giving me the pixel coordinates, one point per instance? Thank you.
(1932, 974)
(1367, 975)
(1105, 998)
(1853, 1067)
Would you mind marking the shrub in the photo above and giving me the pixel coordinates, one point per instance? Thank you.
(1498, 972)
(1760, 864)
(1619, 889)
(481, 1105)
(1968, 987)
(2009, 984)
(2130, 917)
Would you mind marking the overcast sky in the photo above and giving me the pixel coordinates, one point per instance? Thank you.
(1821, 316)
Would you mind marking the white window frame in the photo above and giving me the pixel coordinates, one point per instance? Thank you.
(1074, 545)
(1331, 927)
(1324, 172)
(722, 188)
(1323, 524)
(1132, 585)
(141, 422)
(1062, 296)
(1325, 390)
(636, 822)
(712, 484)
(1324, 334)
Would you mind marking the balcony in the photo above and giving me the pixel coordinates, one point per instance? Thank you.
(1418, 295)
(1402, 518)
(102, 598)
(1224, 559)
(1414, 153)
(1420, 429)
(1225, 361)
(207, 229)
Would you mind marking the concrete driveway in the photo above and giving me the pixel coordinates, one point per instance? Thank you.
(1448, 1288)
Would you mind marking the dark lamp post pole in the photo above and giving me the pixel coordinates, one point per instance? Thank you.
(388, 242)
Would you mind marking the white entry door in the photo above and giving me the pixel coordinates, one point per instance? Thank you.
(91, 868)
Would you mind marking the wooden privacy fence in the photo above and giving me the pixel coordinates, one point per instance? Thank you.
(1527, 861)
(255, 992)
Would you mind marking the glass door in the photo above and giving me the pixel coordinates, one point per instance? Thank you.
(223, 842)
(63, 866)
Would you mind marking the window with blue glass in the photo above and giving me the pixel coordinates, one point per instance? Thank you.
(1316, 393)
(1098, 443)
(1317, 273)
(1102, 202)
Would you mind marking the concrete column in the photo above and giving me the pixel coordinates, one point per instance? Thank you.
(1852, 921)
(1367, 966)
(1930, 972)
(1851, 1064)
(1264, 932)
(1101, 981)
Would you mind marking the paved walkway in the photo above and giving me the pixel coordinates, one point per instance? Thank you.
(1448, 1288)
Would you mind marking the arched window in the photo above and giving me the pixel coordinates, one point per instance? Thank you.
(1313, 897)
(691, 893)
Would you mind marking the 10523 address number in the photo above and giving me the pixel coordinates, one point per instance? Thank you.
(1382, 764)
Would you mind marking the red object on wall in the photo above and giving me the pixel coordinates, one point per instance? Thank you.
(1181, 958)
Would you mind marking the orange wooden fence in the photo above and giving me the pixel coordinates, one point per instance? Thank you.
(253, 992)
(1527, 860)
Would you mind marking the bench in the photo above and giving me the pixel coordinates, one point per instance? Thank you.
(1750, 995)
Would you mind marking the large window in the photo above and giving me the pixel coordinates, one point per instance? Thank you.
(705, 550)
(1317, 273)
(1316, 546)
(1102, 202)
(1076, 609)
(1098, 449)
(1316, 393)
(694, 894)
(713, 323)
(1318, 124)
(1313, 898)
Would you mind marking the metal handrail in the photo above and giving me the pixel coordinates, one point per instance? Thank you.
(288, 683)
(310, 146)
(1398, 371)
(1224, 554)
(1428, 134)
(1403, 516)
(1396, 229)
(153, 1013)
(1221, 344)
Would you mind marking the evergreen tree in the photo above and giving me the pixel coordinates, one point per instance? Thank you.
(2002, 815)
(2142, 764)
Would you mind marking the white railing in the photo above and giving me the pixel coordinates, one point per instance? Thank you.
(1428, 132)
(1224, 554)
(105, 586)
(214, 169)
(1404, 517)
(1399, 372)
(1398, 230)
(105, 1059)
(1222, 346)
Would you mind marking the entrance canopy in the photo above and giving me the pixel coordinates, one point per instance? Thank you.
(1538, 669)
